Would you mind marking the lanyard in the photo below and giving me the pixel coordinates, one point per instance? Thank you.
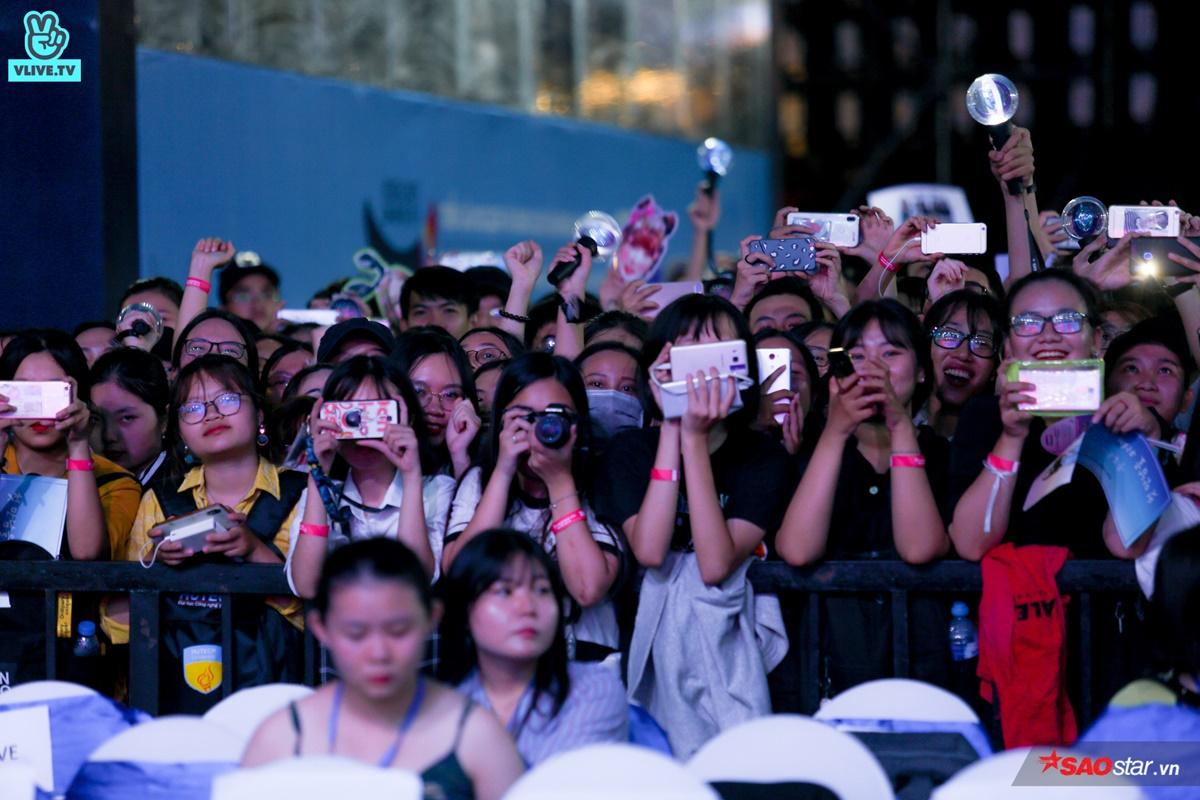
(405, 724)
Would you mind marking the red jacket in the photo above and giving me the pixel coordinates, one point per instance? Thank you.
(1022, 644)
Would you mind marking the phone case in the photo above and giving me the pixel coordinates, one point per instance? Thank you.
(1064, 388)
(729, 358)
(36, 399)
(1148, 257)
(771, 359)
(790, 255)
(360, 419)
(965, 238)
(840, 229)
(1145, 220)
(675, 398)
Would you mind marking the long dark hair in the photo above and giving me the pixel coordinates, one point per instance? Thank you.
(62, 348)
(350, 374)
(227, 372)
(691, 314)
(530, 368)
(137, 372)
(245, 333)
(818, 401)
(900, 327)
(418, 343)
(377, 558)
(1176, 602)
(477, 566)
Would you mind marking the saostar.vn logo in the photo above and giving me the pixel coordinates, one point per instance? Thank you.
(45, 41)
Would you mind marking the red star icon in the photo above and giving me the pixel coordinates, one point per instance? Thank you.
(1050, 761)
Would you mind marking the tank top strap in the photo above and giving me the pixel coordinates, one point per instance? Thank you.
(468, 707)
(294, 713)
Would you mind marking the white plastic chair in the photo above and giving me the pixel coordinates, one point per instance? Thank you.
(43, 690)
(897, 698)
(993, 776)
(243, 711)
(789, 748)
(605, 771)
(176, 739)
(17, 782)
(318, 778)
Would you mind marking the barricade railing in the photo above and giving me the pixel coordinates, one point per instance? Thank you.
(145, 588)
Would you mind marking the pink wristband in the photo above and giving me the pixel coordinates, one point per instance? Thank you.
(198, 283)
(887, 263)
(312, 529)
(80, 465)
(567, 520)
(664, 474)
(907, 460)
(1001, 464)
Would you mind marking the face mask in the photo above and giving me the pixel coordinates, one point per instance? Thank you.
(612, 412)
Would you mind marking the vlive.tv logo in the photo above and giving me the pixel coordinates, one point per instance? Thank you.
(45, 41)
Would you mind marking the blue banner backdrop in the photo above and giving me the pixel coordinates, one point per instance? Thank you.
(302, 169)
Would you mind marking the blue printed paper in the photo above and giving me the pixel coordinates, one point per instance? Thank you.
(33, 509)
(1133, 482)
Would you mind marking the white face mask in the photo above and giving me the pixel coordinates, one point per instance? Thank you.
(612, 412)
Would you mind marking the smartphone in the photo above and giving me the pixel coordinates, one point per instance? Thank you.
(1143, 220)
(675, 397)
(36, 399)
(1148, 257)
(840, 365)
(790, 255)
(967, 238)
(360, 419)
(321, 316)
(769, 360)
(839, 229)
(1063, 388)
(729, 358)
(192, 530)
(672, 291)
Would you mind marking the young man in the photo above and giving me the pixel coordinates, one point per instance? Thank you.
(438, 296)
(1152, 362)
(491, 286)
(783, 304)
(250, 289)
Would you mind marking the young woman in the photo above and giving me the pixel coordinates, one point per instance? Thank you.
(101, 497)
(816, 336)
(788, 414)
(964, 329)
(869, 490)
(217, 415)
(542, 490)
(610, 375)
(388, 489)
(1051, 316)
(504, 644)
(696, 496)
(309, 381)
(219, 332)
(131, 393)
(486, 378)
(485, 345)
(374, 612)
(278, 370)
(440, 371)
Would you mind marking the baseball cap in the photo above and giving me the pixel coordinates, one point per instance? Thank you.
(354, 330)
(244, 264)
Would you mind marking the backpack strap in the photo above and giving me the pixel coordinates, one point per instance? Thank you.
(173, 502)
(269, 513)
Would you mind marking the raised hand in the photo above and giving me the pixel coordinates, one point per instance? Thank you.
(948, 275)
(705, 210)
(707, 403)
(753, 272)
(524, 262)
(208, 254)
(875, 228)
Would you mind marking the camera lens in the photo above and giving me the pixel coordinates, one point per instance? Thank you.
(353, 419)
(552, 430)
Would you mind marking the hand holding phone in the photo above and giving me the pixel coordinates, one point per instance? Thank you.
(41, 400)
(1061, 388)
(955, 237)
(360, 419)
(798, 254)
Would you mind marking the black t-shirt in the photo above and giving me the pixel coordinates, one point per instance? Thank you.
(751, 471)
(1071, 516)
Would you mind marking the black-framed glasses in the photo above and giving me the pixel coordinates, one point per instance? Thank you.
(202, 347)
(225, 404)
(980, 344)
(1030, 324)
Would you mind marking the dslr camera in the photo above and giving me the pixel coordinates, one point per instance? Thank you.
(552, 427)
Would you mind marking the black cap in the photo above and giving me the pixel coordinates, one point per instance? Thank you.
(1166, 331)
(244, 265)
(357, 329)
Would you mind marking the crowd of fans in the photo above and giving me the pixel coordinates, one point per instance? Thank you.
(474, 585)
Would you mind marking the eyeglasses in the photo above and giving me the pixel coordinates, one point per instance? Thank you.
(1030, 324)
(202, 347)
(244, 296)
(446, 398)
(225, 405)
(979, 344)
(820, 356)
(485, 355)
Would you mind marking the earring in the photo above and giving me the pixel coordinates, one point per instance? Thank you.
(263, 441)
(189, 458)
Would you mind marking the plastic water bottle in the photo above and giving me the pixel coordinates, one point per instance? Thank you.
(87, 646)
(964, 641)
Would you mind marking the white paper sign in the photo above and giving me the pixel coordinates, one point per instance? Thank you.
(25, 739)
(947, 203)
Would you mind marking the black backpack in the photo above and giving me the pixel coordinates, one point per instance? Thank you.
(267, 648)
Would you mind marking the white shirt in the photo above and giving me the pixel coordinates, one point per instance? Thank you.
(437, 492)
(597, 624)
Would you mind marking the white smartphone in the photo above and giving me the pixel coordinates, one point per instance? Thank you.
(192, 530)
(728, 357)
(321, 316)
(36, 399)
(1144, 220)
(839, 229)
(675, 397)
(670, 292)
(771, 359)
(968, 238)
